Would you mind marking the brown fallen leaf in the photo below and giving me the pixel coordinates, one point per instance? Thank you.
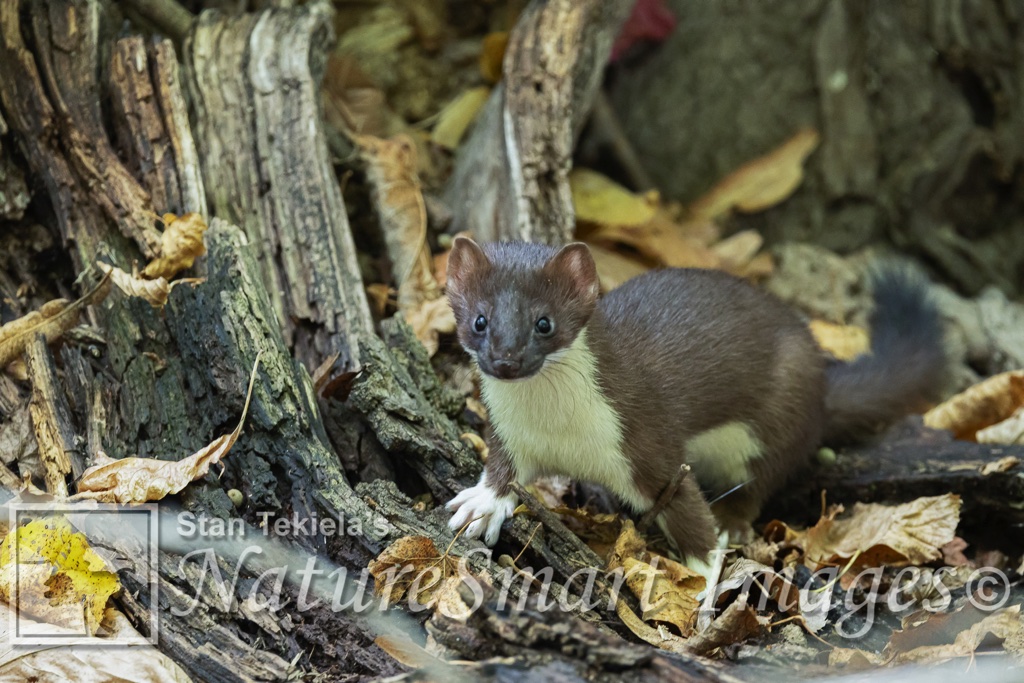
(844, 342)
(131, 481)
(666, 589)
(153, 291)
(398, 199)
(760, 183)
(894, 535)
(457, 116)
(737, 622)
(412, 562)
(1009, 431)
(982, 405)
(181, 243)
(1001, 465)
(53, 319)
(1003, 625)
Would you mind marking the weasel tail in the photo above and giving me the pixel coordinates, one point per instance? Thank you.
(906, 368)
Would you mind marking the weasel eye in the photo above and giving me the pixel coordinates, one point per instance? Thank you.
(480, 324)
(544, 327)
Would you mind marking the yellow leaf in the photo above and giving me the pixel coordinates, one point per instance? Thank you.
(760, 183)
(130, 481)
(181, 243)
(492, 54)
(55, 575)
(982, 405)
(53, 319)
(598, 199)
(455, 118)
(844, 342)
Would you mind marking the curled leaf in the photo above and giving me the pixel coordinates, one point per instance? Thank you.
(982, 405)
(154, 291)
(53, 319)
(667, 590)
(760, 183)
(181, 242)
(895, 535)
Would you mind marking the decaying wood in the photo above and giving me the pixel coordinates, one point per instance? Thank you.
(511, 178)
(910, 462)
(14, 194)
(51, 419)
(267, 166)
(554, 647)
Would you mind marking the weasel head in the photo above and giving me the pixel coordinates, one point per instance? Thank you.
(517, 304)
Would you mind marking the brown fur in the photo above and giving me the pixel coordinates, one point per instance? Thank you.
(679, 352)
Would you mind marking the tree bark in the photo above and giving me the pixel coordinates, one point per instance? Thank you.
(511, 179)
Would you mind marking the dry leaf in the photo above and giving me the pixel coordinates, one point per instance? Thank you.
(50, 572)
(1005, 624)
(132, 660)
(492, 54)
(130, 481)
(598, 199)
(53, 319)
(455, 119)
(181, 243)
(844, 342)
(736, 251)
(398, 199)
(154, 291)
(666, 589)
(1010, 431)
(852, 659)
(1001, 465)
(982, 405)
(909, 534)
(412, 562)
(737, 622)
(477, 444)
(760, 183)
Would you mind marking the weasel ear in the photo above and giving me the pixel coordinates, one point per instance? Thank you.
(465, 259)
(574, 262)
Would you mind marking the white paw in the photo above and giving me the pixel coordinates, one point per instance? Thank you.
(484, 509)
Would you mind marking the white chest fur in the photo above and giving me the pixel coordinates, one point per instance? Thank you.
(559, 422)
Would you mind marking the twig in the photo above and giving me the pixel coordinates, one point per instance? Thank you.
(667, 494)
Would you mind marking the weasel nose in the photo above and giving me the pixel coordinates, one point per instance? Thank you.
(507, 369)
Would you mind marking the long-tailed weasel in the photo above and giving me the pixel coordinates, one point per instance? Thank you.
(677, 365)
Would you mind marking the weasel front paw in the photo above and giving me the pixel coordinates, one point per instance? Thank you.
(485, 508)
